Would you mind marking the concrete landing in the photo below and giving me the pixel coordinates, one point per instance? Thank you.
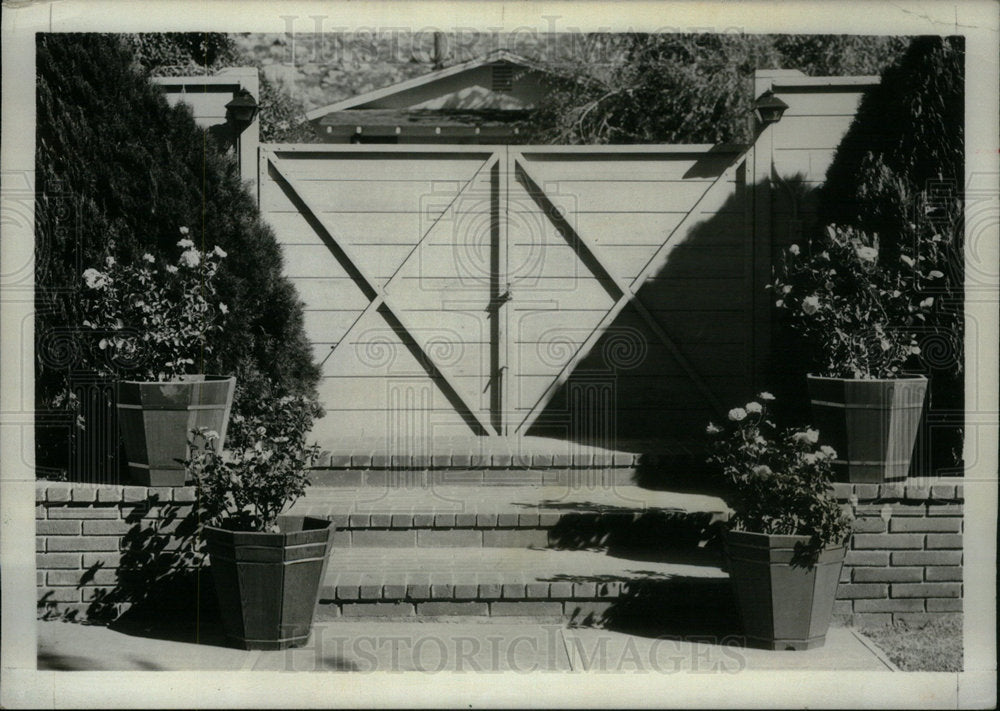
(489, 646)
(501, 452)
(553, 500)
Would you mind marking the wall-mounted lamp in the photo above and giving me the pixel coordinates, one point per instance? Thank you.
(241, 110)
(768, 108)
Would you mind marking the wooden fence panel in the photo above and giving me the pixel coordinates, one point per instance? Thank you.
(483, 289)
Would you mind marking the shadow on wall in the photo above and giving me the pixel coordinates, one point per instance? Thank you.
(703, 299)
(160, 588)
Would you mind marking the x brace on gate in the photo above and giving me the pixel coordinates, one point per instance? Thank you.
(625, 294)
(379, 297)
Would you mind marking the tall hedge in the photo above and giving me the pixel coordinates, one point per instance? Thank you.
(899, 172)
(909, 127)
(115, 162)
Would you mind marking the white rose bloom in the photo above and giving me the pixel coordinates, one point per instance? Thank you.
(754, 407)
(794, 249)
(149, 257)
(766, 396)
(93, 278)
(737, 414)
(190, 258)
(185, 243)
(807, 437)
(867, 254)
(810, 305)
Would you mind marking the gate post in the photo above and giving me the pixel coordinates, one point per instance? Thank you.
(761, 163)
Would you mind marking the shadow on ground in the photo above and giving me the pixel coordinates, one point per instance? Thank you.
(650, 603)
(679, 607)
(161, 589)
(181, 609)
(654, 534)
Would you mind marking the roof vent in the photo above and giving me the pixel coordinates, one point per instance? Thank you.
(503, 77)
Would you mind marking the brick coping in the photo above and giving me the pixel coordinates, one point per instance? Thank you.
(64, 492)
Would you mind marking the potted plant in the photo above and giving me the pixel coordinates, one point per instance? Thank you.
(150, 327)
(267, 567)
(862, 318)
(787, 537)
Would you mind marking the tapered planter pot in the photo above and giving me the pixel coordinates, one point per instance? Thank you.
(783, 606)
(156, 420)
(871, 423)
(267, 583)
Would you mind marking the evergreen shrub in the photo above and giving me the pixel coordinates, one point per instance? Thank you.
(899, 173)
(115, 162)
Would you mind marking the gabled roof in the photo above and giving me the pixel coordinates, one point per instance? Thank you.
(500, 55)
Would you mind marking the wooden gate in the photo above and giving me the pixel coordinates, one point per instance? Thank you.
(583, 292)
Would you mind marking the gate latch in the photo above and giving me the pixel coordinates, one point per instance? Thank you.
(505, 296)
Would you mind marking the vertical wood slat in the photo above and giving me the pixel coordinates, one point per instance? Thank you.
(379, 296)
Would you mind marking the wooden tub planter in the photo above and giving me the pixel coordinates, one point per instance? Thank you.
(156, 419)
(267, 584)
(784, 606)
(871, 423)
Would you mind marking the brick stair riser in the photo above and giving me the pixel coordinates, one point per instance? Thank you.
(531, 530)
(507, 459)
(567, 601)
(495, 476)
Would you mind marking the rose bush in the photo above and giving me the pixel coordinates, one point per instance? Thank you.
(780, 480)
(861, 314)
(262, 469)
(152, 323)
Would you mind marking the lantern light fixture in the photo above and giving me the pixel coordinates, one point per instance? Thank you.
(242, 109)
(768, 108)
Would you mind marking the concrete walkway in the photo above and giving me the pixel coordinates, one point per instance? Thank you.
(486, 646)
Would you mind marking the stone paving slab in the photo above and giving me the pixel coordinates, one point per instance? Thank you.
(432, 647)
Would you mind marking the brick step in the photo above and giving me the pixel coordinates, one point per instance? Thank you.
(513, 517)
(500, 452)
(391, 477)
(580, 586)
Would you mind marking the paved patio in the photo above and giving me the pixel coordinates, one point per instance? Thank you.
(487, 646)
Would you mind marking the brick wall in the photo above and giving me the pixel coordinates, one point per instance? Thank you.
(100, 549)
(905, 559)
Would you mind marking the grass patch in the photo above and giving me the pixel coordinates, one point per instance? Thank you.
(932, 646)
